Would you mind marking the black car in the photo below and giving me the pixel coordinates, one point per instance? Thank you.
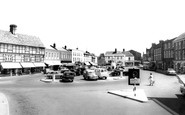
(116, 72)
(68, 76)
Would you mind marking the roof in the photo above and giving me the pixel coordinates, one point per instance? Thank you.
(61, 49)
(119, 53)
(180, 37)
(20, 39)
(128, 54)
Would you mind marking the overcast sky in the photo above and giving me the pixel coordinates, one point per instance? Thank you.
(96, 25)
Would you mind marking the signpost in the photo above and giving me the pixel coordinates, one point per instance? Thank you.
(133, 79)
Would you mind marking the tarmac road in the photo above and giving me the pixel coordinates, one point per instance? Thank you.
(27, 95)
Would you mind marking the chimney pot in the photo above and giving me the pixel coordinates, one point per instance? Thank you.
(115, 50)
(13, 28)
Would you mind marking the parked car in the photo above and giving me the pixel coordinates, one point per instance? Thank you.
(89, 74)
(115, 72)
(182, 89)
(170, 71)
(102, 73)
(68, 76)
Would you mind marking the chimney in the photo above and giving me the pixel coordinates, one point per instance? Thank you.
(65, 47)
(123, 50)
(115, 50)
(13, 28)
(54, 45)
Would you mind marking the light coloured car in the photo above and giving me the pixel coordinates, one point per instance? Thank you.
(171, 71)
(102, 73)
(182, 89)
(90, 74)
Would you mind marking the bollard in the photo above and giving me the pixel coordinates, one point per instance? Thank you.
(53, 77)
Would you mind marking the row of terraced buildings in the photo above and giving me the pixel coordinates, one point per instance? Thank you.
(167, 54)
(25, 54)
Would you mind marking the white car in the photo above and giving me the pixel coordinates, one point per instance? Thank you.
(90, 74)
(171, 71)
(102, 73)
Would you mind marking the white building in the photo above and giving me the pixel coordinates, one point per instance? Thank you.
(124, 58)
(77, 55)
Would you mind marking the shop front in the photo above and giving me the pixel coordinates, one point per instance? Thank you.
(53, 65)
(10, 68)
(39, 67)
(27, 68)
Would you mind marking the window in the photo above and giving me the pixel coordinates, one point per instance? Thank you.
(171, 54)
(27, 58)
(14, 50)
(179, 45)
(165, 47)
(5, 48)
(37, 50)
(37, 58)
(34, 50)
(169, 45)
(2, 47)
(8, 58)
(27, 49)
(46, 54)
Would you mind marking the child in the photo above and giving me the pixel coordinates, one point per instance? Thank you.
(151, 78)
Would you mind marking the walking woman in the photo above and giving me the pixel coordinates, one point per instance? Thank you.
(151, 79)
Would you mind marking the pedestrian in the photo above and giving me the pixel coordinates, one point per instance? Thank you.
(151, 79)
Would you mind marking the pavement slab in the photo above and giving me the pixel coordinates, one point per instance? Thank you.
(4, 106)
(138, 95)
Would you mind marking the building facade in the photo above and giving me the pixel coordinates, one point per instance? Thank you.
(124, 58)
(65, 55)
(77, 55)
(137, 56)
(168, 54)
(179, 53)
(52, 58)
(20, 53)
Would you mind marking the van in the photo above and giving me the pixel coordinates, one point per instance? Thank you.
(102, 73)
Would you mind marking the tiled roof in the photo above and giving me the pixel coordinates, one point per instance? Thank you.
(61, 49)
(128, 54)
(180, 37)
(20, 39)
(119, 53)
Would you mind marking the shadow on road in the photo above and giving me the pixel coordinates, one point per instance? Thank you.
(176, 106)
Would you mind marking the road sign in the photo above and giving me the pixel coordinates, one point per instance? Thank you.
(134, 77)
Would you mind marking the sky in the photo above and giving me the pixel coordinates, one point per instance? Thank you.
(96, 25)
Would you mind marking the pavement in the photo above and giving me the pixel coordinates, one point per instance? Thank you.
(4, 106)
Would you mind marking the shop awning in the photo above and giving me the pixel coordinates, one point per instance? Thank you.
(68, 64)
(39, 64)
(87, 63)
(92, 63)
(27, 65)
(53, 62)
(49, 62)
(10, 65)
(57, 63)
